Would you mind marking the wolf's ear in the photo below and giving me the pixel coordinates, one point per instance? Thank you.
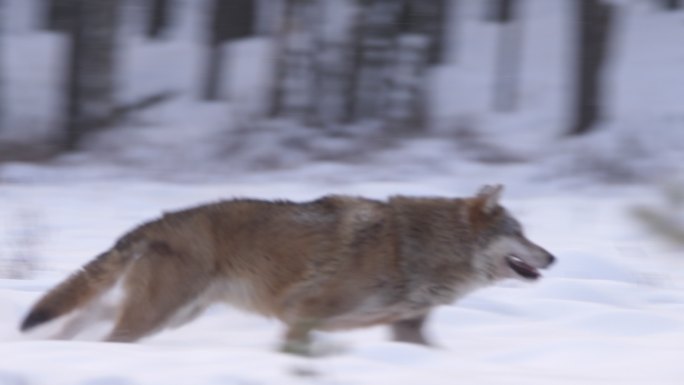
(489, 197)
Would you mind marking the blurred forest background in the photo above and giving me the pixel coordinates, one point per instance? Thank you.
(269, 84)
(411, 96)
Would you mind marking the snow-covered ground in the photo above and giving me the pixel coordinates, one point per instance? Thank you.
(610, 312)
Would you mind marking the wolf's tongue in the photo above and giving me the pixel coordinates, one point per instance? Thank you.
(522, 268)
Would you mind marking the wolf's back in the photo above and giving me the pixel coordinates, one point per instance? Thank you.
(77, 290)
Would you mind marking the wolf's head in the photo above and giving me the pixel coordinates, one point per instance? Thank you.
(502, 250)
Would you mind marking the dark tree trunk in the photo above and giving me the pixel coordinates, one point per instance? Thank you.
(508, 55)
(500, 11)
(404, 108)
(420, 44)
(672, 5)
(333, 72)
(452, 29)
(213, 78)
(333, 65)
(230, 20)
(377, 33)
(294, 91)
(92, 68)
(158, 13)
(427, 18)
(594, 24)
(59, 15)
(2, 94)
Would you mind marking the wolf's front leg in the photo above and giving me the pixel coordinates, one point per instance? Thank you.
(410, 330)
(298, 338)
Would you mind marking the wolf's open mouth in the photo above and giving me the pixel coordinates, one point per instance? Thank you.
(523, 268)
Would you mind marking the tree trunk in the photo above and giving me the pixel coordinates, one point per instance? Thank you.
(500, 11)
(594, 24)
(404, 109)
(378, 30)
(428, 18)
(294, 91)
(333, 71)
(419, 44)
(2, 94)
(158, 13)
(92, 68)
(672, 5)
(59, 15)
(508, 56)
(333, 64)
(230, 20)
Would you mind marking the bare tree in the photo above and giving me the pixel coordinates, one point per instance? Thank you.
(158, 14)
(593, 26)
(92, 68)
(230, 19)
(508, 54)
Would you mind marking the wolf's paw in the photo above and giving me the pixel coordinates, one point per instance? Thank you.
(310, 350)
(297, 348)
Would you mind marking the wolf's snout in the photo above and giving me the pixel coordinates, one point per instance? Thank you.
(550, 259)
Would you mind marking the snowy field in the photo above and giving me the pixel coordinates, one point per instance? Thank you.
(610, 312)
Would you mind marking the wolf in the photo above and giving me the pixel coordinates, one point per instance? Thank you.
(338, 262)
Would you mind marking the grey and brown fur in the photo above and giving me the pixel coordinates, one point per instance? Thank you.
(338, 262)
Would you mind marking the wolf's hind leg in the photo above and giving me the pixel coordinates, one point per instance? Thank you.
(410, 330)
(155, 291)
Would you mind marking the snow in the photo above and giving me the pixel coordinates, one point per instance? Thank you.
(596, 317)
(610, 312)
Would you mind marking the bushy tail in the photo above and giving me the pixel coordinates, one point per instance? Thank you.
(94, 278)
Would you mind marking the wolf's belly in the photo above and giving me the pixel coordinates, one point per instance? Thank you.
(369, 315)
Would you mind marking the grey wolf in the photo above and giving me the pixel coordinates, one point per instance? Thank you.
(337, 262)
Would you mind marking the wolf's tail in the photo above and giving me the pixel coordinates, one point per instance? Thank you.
(94, 278)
